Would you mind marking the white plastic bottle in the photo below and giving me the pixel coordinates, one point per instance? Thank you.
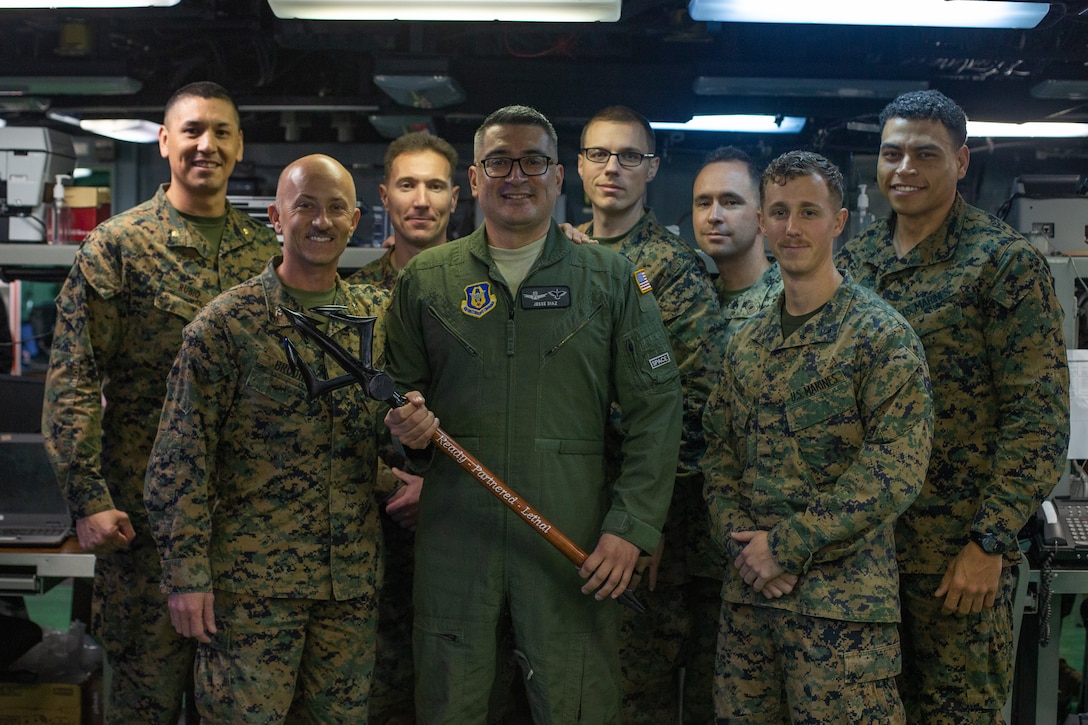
(59, 225)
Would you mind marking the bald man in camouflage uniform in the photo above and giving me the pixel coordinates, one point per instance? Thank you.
(677, 632)
(137, 280)
(982, 300)
(818, 436)
(262, 499)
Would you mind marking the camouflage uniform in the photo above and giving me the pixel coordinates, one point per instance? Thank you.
(523, 380)
(391, 691)
(821, 440)
(380, 273)
(982, 300)
(137, 280)
(266, 498)
(679, 629)
(762, 294)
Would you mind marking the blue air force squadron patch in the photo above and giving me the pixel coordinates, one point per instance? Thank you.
(643, 281)
(478, 299)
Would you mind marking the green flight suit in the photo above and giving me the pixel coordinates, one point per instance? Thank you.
(524, 379)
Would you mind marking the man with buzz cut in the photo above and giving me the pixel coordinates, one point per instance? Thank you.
(419, 196)
(138, 279)
(520, 340)
(982, 299)
(725, 219)
(667, 653)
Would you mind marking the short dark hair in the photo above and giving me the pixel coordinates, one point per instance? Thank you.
(515, 116)
(621, 114)
(724, 154)
(929, 106)
(200, 89)
(418, 142)
(794, 164)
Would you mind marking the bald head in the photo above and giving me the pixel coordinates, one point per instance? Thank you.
(313, 167)
(316, 213)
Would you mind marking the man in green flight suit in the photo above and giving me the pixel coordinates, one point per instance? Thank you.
(521, 340)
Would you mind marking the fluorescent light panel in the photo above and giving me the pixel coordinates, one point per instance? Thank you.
(20, 4)
(68, 85)
(804, 87)
(1037, 129)
(576, 11)
(1067, 90)
(133, 130)
(918, 13)
(739, 123)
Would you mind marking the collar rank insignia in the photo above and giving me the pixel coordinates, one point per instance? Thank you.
(478, 299)
(643, 281)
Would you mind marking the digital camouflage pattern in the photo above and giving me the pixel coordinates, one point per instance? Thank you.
(786, 668)
(970, 682)
(524, 380)
(255, 489)
(136, 281)
(652, 650)
(379, 272)
(762, 294)
(334, 640)
(821, 440)
(981, 299)
(391, 693)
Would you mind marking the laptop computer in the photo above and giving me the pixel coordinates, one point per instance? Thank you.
(33, 511)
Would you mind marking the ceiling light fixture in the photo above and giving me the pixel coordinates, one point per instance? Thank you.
(804, 87)
(50, 4)
(68, 85)
(1068, 90)
(133, 130)
(554, 11)
(916, 13)
(738, 123)
(1034, 129)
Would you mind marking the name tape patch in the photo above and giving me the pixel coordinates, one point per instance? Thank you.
(544, 298)
(662, 359)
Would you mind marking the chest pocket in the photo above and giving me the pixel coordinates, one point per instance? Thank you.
(271, 380)
(180, 299)
(827, 429)
(949, 314)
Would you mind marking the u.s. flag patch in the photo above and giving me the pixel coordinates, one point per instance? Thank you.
(643, 281)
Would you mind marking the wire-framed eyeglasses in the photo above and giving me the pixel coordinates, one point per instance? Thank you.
(627, 159)
(498, 167)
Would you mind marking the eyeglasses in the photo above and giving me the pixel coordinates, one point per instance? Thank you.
(498, 167)
(627, 159)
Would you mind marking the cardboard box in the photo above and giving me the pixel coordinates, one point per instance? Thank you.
(86, 197)
(40, 704)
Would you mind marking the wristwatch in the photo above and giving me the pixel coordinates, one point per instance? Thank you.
(988, 542)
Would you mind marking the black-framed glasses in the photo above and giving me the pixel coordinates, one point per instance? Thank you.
(627, 159)
(498, 167)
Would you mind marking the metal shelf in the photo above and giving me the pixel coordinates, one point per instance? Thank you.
(29, 254)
